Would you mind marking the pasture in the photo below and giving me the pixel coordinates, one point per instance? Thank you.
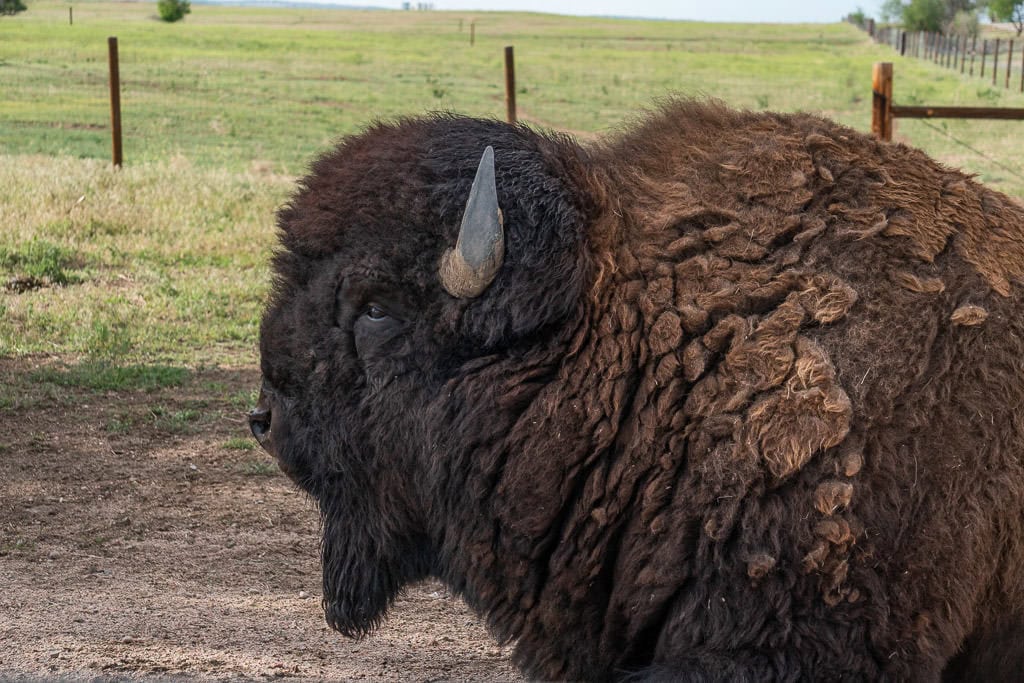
(140, 532)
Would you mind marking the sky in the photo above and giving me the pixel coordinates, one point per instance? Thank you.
(699, 10)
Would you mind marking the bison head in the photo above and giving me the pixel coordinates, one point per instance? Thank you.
(426, 270)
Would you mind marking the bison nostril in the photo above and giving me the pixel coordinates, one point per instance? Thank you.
(259, 423)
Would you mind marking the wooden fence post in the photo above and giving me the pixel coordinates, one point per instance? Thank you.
(871, 27)
(984, 53)
(510, 85)
(881, 100)
(1009, 64)
(995, 62)
(903, 43)
(963, 56)
(115, 100)
(974, 50)
(71, 16)
(472, 33)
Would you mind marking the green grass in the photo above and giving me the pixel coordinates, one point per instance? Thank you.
(163, 263)
(103, 376)
(239, 443)
(260, 468)
(38, 263)
(119, 424)
(184, 420)
(176, 258)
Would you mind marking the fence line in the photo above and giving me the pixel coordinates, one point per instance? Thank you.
(945, 50)
(115, 94)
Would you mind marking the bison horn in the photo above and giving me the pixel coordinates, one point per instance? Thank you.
(472, 265)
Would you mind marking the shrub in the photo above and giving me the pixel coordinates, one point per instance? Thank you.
(924, 15)
(965, 24)
(11, 6)
(171, 10)
(857, 18)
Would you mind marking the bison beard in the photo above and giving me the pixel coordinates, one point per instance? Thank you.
(730, 396)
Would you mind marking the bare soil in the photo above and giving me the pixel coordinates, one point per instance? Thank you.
(140, 539)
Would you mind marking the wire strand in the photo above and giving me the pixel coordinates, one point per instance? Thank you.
(981, 154)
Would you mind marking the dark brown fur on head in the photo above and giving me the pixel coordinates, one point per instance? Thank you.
(741, 403)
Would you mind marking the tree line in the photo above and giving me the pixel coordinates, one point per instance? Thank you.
(955, 17)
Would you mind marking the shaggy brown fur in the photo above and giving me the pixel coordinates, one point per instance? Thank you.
(742, 404)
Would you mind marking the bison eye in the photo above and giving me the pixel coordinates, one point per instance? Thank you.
(375, 312)
(373, 329)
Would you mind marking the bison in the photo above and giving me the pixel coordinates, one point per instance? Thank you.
(728, 396)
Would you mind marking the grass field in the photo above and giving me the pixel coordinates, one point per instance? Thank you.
(163, 263)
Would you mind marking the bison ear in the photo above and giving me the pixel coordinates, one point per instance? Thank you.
(468, 269)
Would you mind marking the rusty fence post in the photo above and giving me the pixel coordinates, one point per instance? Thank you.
(115, 100)
(510, 85)
(881, 100)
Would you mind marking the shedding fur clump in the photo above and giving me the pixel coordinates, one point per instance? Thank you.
(922, 285)
(808, 414)
(760, 564)
(851, 462)
(969, 315)
(831, 496)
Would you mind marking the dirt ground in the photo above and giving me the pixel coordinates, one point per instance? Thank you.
(141, 539)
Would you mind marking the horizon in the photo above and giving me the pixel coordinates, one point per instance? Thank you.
(730, 11)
